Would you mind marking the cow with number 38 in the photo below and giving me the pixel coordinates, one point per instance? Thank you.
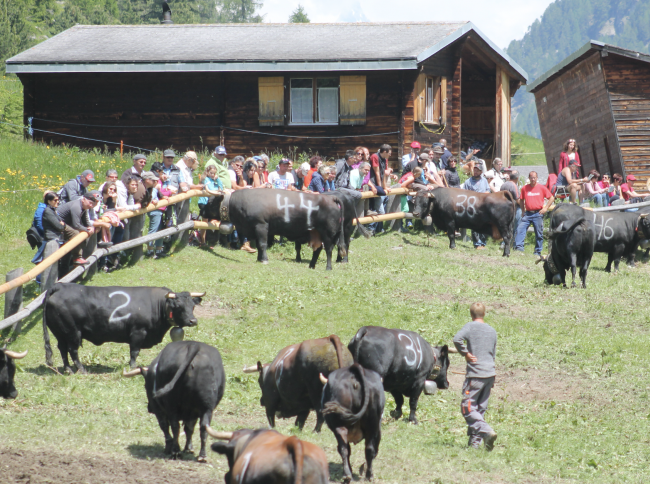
(490, 214)
(138, 316)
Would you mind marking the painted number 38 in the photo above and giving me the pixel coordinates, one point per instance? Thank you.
(414, 349)
(467, 205)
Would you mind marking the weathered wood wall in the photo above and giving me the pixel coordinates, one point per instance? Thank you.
(576, 105)
(628, 82)
(183, 110)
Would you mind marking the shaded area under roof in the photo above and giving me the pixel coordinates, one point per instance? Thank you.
(248, 47)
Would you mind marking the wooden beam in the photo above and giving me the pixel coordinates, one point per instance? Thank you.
(456, 92)
(502, 117)
(609, 156)
(593, 149)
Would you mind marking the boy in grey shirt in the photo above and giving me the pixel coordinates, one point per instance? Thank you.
(477, 342)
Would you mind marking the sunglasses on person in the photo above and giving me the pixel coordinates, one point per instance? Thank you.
(55, 200)
(360, 153)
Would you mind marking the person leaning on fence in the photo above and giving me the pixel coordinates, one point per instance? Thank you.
(628, 192)
(319, 180)
(533, 209)
(451, 174)
(379, 171)
(477, 342)
(250, 174)
(477, 183)
(153, 197)
(315, 162)
(101, 227)
(413, 155)
(594, 193)
(300, 175)
(139, 161)
(74, 215)
(221, 163)
(282, 179)
(263, 165)
(77, 187)
(212, 182)
(512, 186)
(187, 165)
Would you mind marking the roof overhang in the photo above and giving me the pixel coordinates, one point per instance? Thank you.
(377, 65)
(581, 53)
(470, 27)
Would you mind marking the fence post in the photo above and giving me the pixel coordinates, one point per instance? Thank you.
(89, 247)
(51, 274)
(184, 216)
(136, 224)
(14, 298)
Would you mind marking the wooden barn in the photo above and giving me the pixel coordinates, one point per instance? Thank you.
(320, 87)
(600, 96)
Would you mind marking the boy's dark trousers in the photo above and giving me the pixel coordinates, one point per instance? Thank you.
(476, 393)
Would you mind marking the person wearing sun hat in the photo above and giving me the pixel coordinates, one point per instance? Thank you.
(219, 160)
(627, 190)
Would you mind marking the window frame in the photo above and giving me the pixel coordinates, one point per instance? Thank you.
(433, 102)
(315, 103)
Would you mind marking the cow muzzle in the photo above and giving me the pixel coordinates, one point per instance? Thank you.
(192, 322)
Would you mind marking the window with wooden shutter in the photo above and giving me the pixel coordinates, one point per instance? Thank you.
(430, 100)
(271, 92)
(353, 100)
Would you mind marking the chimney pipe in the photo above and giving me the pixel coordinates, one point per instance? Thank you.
(167, 14)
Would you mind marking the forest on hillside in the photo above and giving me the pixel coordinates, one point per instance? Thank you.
(24, 23)
(565, 26)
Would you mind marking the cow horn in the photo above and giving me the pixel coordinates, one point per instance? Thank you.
(218, 435)
(431, 195)
(323, 380)
(452, 349)
(132, 373)
(541, 259)
(214, 193)
(643, 215)
(250, 369)
(197, 294)
(170, 295)
(413, 194)
(15, 356)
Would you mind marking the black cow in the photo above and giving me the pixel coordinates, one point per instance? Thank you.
(571, 245)
(353, 403)
(350, 214)
(290, 384)
(300, 217)
(451, 208)
(139, 316)
(7, 372)
(404, 360)
(185, 382)
(261, 456)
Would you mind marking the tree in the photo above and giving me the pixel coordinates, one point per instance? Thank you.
(238, 11)
(298, 16)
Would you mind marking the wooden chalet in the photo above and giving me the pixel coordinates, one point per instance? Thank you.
(600, 96)
(320, 87)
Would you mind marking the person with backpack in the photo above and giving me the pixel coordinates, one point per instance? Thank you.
(77, 187)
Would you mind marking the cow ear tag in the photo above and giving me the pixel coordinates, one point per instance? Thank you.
(171, 315)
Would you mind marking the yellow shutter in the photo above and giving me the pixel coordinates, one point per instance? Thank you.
(353, 100)
(419, 99)
(271, 101)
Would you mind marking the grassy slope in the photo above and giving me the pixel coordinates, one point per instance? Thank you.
(582, 339)
(522, 143)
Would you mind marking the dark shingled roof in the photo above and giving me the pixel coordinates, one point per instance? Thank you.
(403, 44)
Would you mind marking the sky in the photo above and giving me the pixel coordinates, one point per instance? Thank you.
(501, 20)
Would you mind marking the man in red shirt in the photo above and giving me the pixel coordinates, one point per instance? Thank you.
(533, 209)
(627, 190)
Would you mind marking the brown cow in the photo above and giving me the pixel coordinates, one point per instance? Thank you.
(256, 456)
(290, 384)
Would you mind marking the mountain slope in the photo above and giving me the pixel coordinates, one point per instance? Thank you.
(565, 26)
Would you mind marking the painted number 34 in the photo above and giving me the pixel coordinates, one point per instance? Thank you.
(466, 205)
(414, 349)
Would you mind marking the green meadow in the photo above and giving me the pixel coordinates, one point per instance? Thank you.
(570, 403)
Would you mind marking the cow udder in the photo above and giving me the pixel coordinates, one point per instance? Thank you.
(315, 242)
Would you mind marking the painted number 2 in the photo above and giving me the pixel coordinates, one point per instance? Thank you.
(604, 230)
(113, 318)
(413, 349)
(471, 205)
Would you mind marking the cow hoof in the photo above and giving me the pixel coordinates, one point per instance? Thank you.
(264, 262)
(202, 459)
(347, 479)
(68, 371)
(395, 414)
(414, 421)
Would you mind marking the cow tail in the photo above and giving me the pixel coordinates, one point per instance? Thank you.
(181, 369)
(357, 340)
(343, 250)
(46, 333)
(336, 341)
(345, 414)
(560, 230)
(294, 446)
(364, 231)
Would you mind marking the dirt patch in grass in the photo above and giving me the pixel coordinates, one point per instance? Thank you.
(209, 309)
(530, 385)
(44, 466)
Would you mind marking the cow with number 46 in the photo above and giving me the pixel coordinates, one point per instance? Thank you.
(452, 208)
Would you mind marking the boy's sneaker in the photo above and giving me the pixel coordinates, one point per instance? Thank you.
(475, 441)
(80, 261)
(160, 255)
(104, 245)
(489, 439)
